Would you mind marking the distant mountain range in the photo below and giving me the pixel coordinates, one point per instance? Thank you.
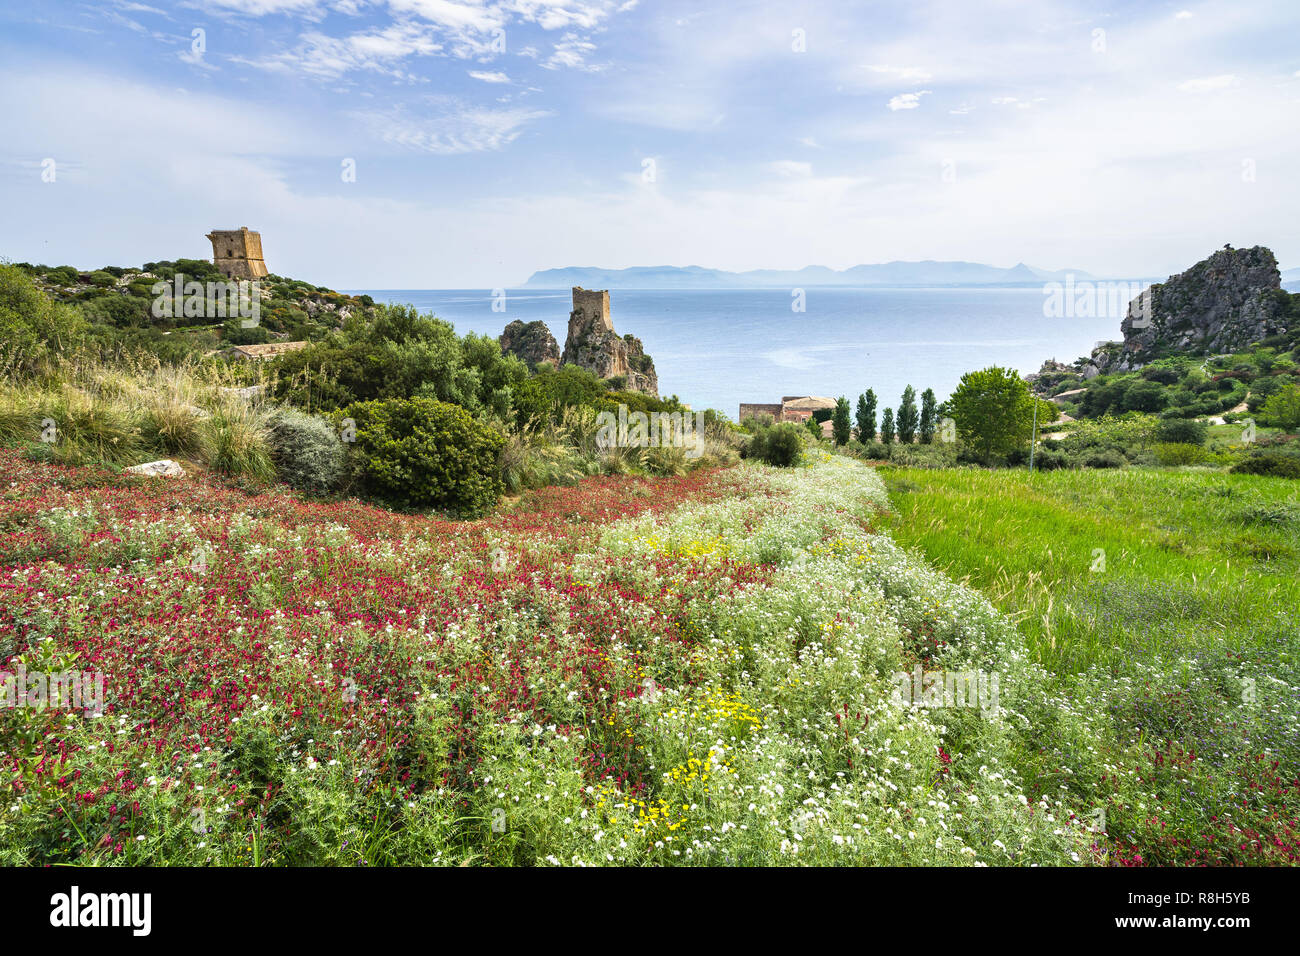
(926, 273)
(1291, 280)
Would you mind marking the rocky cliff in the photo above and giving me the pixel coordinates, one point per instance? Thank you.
(1221, 304)
(532, 343)
(594, 345)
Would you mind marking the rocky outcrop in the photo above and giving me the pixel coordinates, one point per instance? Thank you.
(1052, 378)
(594, 345)
(1222, 304)
(532, 343)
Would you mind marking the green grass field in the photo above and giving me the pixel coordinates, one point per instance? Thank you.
(1168, 604)
(1099, 565)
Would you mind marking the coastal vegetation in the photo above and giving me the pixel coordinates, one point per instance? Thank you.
(405, 605)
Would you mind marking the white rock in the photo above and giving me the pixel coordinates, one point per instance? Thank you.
(164, 468)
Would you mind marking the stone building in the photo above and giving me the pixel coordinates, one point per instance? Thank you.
(792, 408)
(237, 253)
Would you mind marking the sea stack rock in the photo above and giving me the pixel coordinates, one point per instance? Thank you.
(531, 342)
(594, 345)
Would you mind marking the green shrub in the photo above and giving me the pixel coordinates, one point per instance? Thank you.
(875, 451)
(1283, 408)
(425, 453)
(1050, 459)
(1181, 431)
(1182, 453)
(306, 450)
(780, 445)
(34, 329)
(1110, 458)
(1280, 464)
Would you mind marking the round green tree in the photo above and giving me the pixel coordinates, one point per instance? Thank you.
(993, 411)
(1282, 410)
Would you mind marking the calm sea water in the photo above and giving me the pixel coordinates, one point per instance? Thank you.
(715, 348)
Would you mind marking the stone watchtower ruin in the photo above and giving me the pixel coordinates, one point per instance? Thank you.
(237, 253)
(594, 345)
(590, 311)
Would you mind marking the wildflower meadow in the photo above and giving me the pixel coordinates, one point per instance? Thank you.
(698, 669)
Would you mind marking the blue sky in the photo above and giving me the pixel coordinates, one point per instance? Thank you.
(491, 139)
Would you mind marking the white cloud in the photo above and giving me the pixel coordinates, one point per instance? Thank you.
(907, 101)
(906, 74)
(487, 77)
(477, 17)
(572, 51)
(324, 56)
(451, 128)
(261, 8)
(1183, 15)
(1208, 84)
(196, 60)
(790, 168)
(563, 14)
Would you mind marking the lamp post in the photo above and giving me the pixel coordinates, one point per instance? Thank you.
(1033, 442)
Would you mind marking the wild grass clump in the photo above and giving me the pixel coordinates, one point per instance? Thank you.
(81, 427)
(236, 437)
(171, 421)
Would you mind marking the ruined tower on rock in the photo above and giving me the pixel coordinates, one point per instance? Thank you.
(594, 345)
(237, 253)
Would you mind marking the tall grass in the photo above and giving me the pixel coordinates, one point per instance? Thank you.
(1098, 565)
(235, 435)
(135, 408)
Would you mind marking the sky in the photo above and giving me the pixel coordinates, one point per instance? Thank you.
(401, 144)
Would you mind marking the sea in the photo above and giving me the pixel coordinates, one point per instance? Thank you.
(716, 348)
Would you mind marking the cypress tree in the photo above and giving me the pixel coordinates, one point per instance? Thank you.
(928, 416)
(907, 416)
(840, 421)
(867, 416)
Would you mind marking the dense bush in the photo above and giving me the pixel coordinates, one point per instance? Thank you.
(424, 453)
(34, 330)
(1181, 431)
(781, 445)
(1283, 408)
(1182, 453)
(306, 450)
(1050, 459)
(400, 354)
(1281, 464)
(1109, 458)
